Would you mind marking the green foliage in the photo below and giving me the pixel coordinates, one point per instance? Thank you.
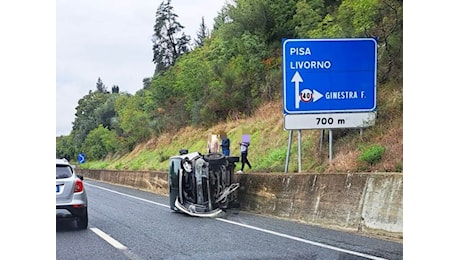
(65, 148)
(118, 166)
(170, 113)
(399, 167)
(133, 121)
(308, 17)
(145, 160)
(372, 154)
(93, 109)
(236, 68)
(94, 165)
(253, 17)
(192, 77)
(202, 34)
(163, 157)
(99, 143)
(282, 13)
(274, 160)
(356, 17)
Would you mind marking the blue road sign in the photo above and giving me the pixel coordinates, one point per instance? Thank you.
(329, 75)
(81, 158)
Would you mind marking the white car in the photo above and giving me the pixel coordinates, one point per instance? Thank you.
(71, 198)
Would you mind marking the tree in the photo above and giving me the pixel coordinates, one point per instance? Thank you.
(65, 147)
(202, 34)
(146, 82)
(99, 143)
(115, 89)
(222, 16)
(134, 122)
(93, 109)
(100, 86)
(308, 17)
(168, 42)
(253, 17)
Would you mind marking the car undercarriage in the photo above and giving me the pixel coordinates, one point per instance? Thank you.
(202, 185)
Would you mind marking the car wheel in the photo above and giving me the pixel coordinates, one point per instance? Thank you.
(215, 158)
(82, 222)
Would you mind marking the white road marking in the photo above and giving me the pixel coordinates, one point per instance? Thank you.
(258, 229)
(300, 239)
(109, 239)
(127, 195)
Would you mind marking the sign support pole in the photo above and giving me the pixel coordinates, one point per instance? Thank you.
(299, 149)
(330, 146)
(288, 151)
(321, 141)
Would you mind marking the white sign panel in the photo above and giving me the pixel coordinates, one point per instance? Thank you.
(328, 121)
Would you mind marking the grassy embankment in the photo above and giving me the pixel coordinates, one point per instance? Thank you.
(269, 140)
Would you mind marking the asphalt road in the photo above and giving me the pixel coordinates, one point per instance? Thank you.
(126, 223)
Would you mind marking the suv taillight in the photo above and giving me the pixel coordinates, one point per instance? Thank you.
(78, 185)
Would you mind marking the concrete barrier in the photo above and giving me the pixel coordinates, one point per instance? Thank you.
(370, 203)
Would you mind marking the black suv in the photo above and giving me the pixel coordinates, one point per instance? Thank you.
(202, 185)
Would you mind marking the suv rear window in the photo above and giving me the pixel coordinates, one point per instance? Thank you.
(63, 171)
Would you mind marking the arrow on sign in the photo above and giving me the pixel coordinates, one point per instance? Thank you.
(316, 95)
(297, 79)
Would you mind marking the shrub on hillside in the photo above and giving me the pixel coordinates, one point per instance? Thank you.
(372, 155)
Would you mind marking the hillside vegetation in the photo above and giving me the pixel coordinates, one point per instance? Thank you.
(231, 80)
(269, 141)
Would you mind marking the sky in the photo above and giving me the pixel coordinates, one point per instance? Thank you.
(111, 40)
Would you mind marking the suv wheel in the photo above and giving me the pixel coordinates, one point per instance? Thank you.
(82, 222)
(215, 159)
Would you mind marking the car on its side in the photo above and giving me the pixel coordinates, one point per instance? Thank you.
(202, 185)
(71, 197)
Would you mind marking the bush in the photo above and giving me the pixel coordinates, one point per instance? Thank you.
(372, 155)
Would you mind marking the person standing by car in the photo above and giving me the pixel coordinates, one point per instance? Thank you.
(244, 155)
(225, 145)
(213, 144)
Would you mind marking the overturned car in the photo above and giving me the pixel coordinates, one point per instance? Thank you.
(202, 185)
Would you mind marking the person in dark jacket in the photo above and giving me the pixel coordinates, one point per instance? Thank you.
(225, 145)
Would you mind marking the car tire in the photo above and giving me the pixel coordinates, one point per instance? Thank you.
(82, 222)
(215, 159)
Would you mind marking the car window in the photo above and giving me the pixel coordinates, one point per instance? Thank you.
(63, 171)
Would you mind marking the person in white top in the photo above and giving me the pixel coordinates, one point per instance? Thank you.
(244, 155)
(213, 144)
